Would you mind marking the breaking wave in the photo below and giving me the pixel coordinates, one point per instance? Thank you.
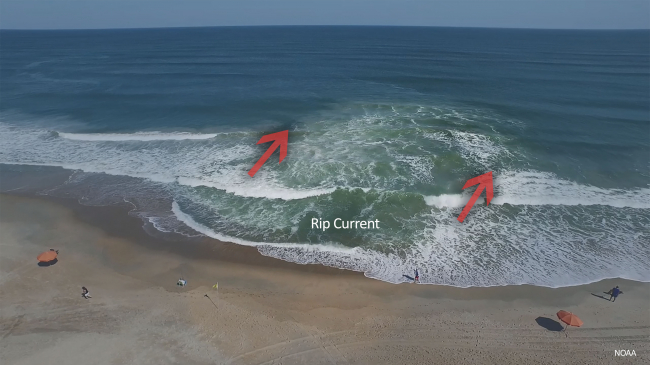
(138, 136)
(541, 188)
(401, 165)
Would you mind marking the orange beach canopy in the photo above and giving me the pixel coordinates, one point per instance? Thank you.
(569, 318)
(47, 256)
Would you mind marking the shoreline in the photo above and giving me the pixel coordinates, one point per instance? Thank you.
(116, 221)
(36, 179)
(265, 309)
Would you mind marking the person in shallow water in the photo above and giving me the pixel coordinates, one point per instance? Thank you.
(614, 293)
(417, 277)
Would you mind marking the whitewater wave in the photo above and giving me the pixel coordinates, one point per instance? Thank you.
(137, 136)
(446, 248)
(472, 146)
(513, 241)
(259, 189)
(511, 187)
(190, 222)
(515, 188)
(449, 200)
(542, 188)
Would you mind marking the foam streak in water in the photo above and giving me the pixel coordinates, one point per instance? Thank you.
(138, 136)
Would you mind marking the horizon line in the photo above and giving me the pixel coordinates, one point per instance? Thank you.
(322, 25)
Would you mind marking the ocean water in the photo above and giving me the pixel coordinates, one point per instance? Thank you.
(385, 123)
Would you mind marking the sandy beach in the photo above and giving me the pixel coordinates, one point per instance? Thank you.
(268, 311)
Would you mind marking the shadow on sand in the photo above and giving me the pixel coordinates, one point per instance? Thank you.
(408, 277)
(600, 296)
(211, 301)
(49, 263)
(549, 324)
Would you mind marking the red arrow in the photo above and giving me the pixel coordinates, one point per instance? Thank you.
(281, 139)
(484, 181)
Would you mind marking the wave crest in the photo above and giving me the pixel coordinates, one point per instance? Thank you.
(138, 136)
(541, 188)
(260, 190)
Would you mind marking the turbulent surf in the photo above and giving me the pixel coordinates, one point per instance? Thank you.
(570, 159)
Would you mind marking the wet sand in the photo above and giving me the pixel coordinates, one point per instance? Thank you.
(268, 311)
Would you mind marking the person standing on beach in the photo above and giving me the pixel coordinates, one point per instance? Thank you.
(417, 277)
(614, 293)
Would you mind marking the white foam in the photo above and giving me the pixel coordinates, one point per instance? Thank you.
(257, 189)
(449, 200)
(190, 222)
(473, 147)
(494, 249)
(543, 188)
(161, 178)
(223, 165)
(450, 253)
(138, 136)
(218, 165)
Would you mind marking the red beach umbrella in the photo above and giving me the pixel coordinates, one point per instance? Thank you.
(47, 256)
(570, 319)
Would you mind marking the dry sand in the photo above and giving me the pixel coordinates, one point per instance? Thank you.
(268, 311)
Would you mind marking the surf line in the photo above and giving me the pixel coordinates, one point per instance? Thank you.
(341, 224)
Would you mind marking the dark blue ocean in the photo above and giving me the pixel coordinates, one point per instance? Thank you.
(384, 123)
